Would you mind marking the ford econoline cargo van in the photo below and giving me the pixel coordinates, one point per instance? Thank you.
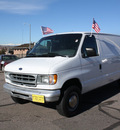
(61, 67)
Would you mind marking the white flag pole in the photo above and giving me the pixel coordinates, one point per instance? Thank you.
(91, 32)
(91, 29)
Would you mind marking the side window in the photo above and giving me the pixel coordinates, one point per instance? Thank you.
(0, 58)
(89, 47)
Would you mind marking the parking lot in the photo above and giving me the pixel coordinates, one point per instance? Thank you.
(100, 110)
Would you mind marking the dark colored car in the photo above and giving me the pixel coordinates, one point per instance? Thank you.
(6, 59)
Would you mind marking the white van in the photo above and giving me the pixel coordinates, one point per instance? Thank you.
(61, 67)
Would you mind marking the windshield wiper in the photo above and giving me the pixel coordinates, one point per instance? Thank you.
(51, 55)
(31, 55)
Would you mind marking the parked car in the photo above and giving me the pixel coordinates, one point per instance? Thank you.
(61, 67)
(6, 59)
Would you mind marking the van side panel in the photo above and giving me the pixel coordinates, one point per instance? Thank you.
(110, 57)
(105, 68)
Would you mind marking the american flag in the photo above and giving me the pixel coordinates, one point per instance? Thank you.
(46, 30)
(95, 26)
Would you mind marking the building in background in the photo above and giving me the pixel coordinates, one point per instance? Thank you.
(20, 51)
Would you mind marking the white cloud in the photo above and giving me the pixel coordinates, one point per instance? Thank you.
(23, 6)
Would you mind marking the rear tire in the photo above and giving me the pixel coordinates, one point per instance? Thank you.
(70, 103)
(19, 100)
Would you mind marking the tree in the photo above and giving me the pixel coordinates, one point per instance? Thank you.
(2, 51)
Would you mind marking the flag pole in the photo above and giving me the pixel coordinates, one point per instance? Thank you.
(91, 32)
(91, 29)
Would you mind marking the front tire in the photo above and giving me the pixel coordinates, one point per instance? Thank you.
(19, 100)
(70, 103)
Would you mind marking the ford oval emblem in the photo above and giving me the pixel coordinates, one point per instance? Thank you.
(20, 68)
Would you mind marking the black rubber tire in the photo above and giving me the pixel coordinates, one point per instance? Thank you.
(19, 100)
(64, 107)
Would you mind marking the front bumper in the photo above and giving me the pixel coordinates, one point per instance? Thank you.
(26, 93)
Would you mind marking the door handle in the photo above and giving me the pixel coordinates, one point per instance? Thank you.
(105, 60)
(100, 66)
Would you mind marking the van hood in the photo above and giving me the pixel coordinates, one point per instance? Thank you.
(34, 65)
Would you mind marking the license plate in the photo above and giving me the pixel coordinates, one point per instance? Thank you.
(38, 98)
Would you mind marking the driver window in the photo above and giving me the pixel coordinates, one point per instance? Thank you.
(89, 42)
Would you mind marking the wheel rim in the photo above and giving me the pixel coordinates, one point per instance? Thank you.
(73, 102)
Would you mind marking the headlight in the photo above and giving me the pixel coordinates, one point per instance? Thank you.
(47, 79)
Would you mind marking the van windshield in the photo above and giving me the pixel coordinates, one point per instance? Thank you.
(57, 45)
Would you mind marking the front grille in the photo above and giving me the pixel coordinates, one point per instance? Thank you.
(21, 79)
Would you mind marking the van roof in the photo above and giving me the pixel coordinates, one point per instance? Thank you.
(83, 33)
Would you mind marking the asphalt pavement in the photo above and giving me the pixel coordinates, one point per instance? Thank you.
(100, 110)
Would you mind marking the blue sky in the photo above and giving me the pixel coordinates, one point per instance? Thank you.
(59, 15)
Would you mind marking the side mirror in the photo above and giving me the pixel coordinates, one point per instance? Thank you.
(28, 51)
(91, 52)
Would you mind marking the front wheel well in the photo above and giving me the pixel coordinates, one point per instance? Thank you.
(70, 82)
